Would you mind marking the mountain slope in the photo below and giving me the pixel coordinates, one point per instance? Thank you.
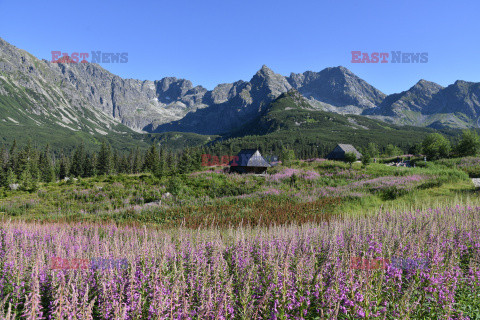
(292, 120)
(85, 99)
(243, 102)
(429, 104)
(337, 89)
(28, 115)
(109, 99)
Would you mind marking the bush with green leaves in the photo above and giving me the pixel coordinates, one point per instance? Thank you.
(436, 146)
(469, 144)
(350, 158)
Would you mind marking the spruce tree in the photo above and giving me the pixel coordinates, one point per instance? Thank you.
(104, 164)
(184, 164)
(115, 162)
(151, 160)
(90, 165)
(124, 166)
(78, 162)
(27, 181)
(3, 158)
(137, 161)
(130, 161)
(12, 159)
(196, 160)
(170, 168)
(162, 164)
(33, 165)
(63, 170)
(47, 172)
(22, 161)
(3, 177)
(10, 178)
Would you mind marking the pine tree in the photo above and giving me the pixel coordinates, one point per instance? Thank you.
(27, 181)
(151, 160)
(12, 159)
(63, 170)
(90, 167)
(137, 162)
(3, 177)
(10, 178)
(104, 164)
(115, 162)
(78, 162)
(184, 164)
(47, 172)
(124, 166)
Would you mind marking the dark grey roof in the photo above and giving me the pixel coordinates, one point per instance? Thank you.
(349, 148)
(341, 149)
(250, 158)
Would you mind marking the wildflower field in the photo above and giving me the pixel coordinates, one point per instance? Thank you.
(295, 272)
(315, 240)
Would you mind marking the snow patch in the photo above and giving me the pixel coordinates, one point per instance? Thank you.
(101, 131)
(13, 120)
(65, 126)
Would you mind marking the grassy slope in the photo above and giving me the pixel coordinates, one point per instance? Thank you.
(17, 105)
(178, 140)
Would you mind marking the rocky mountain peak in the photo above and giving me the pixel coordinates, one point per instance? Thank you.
(422, 83)
(265, 70)
(268, 83)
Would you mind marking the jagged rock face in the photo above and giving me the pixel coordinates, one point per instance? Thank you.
(268, 85)
(232, 105)
(137, 104)
(337, 88)
(85, 88)
(42, 85)
(415, 99)
(430, 104)
(462, 96)
(333, 89)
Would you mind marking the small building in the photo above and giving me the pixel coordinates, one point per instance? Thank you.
(272, 160)
(340, 150)
(249, 161)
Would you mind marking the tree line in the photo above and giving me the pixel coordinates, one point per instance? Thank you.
(434, 146)
(24, 167)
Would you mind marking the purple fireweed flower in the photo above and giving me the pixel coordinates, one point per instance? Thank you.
(283, 272)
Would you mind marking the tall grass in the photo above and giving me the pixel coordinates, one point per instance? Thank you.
(281, 272)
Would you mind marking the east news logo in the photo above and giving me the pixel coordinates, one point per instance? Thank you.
(395, 57)
(97, 57)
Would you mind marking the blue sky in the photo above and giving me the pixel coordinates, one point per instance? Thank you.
(211, 42)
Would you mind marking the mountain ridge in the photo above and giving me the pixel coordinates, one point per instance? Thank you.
(84, 96)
